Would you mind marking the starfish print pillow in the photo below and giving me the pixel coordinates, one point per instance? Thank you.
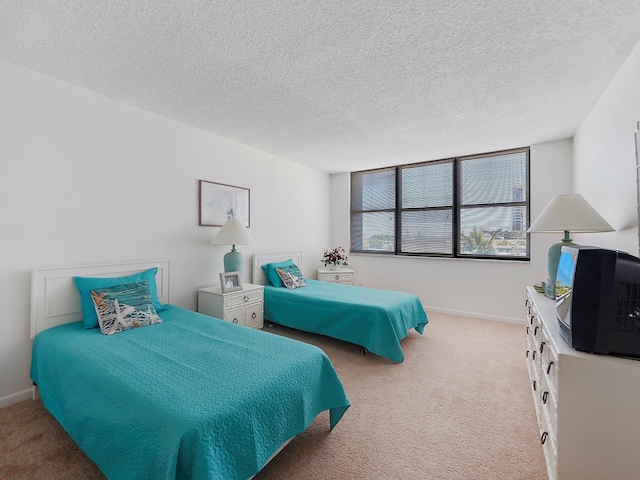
(123, 307)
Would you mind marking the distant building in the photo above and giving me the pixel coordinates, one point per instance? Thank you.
(518, 219)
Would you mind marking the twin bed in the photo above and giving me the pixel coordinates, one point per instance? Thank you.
(376, 320)
(190, 397)
(193, 397)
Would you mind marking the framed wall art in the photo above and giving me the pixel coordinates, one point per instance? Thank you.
(220, 202)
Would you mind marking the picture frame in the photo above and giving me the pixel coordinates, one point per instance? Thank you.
(219, 202)
(230, 282)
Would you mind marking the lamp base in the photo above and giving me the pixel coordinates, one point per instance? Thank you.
(553, 258)
(233, 261)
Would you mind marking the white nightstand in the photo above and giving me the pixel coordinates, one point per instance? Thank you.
(344, 275)
(244, 307)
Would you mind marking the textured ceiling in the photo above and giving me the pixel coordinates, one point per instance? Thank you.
(336, 84)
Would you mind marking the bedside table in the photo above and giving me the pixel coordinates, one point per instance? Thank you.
(344, 275)
(244, 307)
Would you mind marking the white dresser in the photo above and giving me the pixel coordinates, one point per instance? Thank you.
(344, 275)
(588, 406)
(244, 307)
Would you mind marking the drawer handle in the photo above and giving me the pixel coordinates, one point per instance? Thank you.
(245, 298)
(526, 355)
(535, 331)
(527, 330)
(545, 395)
(533, 355)
(541, 347)
(543, 438)
(254, 315)
(549, 368)
(531, 317)
(534, 385)
(235, 320)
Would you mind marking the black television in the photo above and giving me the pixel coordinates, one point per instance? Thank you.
(598, 306)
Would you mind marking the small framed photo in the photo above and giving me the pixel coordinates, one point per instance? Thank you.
(230, 282)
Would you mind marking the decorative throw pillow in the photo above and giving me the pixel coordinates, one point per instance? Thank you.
(86, 285)
(122, 307)
(289, 280)
(287, 266)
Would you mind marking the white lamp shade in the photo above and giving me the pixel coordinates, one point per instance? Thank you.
(233, 232)
(570, 213)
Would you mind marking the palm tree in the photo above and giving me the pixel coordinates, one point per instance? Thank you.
(476, 242)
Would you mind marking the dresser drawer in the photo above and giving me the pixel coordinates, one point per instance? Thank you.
(548, 401)
(549, 446)
(549, 367)
(529, 355)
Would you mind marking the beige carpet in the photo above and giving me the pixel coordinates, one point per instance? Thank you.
(459, 407)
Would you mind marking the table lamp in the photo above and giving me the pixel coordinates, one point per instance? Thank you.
(233, 233)
(566, 213)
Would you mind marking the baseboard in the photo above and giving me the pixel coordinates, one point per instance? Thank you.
(460, 313)
(15, 398)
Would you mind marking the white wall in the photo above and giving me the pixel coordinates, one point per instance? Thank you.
(604, 158)
(88, 179)
(480, 288)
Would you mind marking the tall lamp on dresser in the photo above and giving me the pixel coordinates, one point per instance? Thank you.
(564, 214)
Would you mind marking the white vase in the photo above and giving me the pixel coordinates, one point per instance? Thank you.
(333, 267)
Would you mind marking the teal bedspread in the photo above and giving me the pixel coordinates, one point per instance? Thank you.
(190, 398)
(374, 319)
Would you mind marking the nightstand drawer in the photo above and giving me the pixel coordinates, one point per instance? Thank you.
(336, 277)
(234, 316)
(242, 298)
(253, 315)
(343, 276)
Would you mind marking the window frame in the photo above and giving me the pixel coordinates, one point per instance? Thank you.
(456, 208)
(379, 210)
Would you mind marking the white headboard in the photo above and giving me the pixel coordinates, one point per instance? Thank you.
(56, 301)
(259, 259)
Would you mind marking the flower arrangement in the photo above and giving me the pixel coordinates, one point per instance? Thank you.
(335, 257)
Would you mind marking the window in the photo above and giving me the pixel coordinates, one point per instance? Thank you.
(373, 211)
(472, 207)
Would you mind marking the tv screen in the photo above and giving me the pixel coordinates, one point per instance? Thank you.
(598, 300)
(564, 284)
